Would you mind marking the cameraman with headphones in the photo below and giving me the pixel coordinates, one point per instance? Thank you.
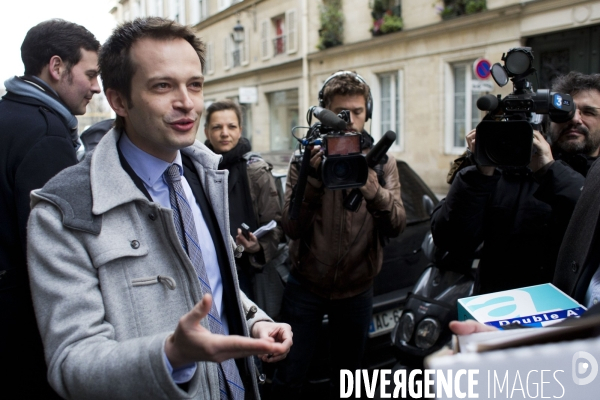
(336, 253)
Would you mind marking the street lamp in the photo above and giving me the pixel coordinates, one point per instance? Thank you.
(238, 33)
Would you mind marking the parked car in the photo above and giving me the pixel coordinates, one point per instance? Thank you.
(403, 264)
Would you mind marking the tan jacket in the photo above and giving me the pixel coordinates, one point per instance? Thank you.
(266, 205)
(336, 253)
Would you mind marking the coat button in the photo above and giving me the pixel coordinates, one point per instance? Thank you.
(574, 266)
(152, 216)
(135, 244)
(251, 312)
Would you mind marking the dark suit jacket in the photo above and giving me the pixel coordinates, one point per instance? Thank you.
(35, 144)
(579, 255)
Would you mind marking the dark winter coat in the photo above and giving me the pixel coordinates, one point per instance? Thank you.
(579, 257)
(519, 220)
(35, 144)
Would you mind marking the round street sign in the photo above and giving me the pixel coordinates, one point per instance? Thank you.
(481, 68)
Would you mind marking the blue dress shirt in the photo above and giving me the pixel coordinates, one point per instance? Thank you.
(150, 170)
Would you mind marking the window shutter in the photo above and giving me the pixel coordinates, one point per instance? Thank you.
(172, 9)
(245, 48)
(264, 39)
(209, 67)
(152, 8)
(194, 16)
(181, 12)
(223, 4)
(226, 53)
(292, 32)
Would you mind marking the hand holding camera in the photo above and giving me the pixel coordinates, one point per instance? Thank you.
(487, 170)
(542, 153)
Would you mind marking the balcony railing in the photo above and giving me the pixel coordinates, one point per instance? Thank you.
(279, 45)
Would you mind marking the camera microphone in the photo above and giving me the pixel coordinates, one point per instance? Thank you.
(380, 149)
(329, 118)
(489, 102)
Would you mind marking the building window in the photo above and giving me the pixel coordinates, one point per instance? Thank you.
(237, 54)
(462, 114)
(283, 116)
(246, 118)
(390, 104)
(209, 60)
(292, 35)
(279, 39)
(264, 39)
(155, 8)
(177, 11)
(227, 53)
(136, 9)
(198, 11)
(223, 4)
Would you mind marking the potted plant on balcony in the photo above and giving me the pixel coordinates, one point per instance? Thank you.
(332, 24)
(387, 17)
(455, 8)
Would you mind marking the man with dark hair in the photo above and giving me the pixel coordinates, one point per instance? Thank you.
(133, 243)
(38, 138)
(521, 214)
(336, 253)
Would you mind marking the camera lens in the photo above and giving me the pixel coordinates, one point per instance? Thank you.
(341, 169)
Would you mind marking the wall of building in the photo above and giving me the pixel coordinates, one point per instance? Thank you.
(422, 53)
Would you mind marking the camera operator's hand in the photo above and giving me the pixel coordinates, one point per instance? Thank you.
(314, 171)
(369, 189)
(485, 170)
(542, 154)
(316, 156)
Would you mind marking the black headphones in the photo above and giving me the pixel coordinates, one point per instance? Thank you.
(358, 78)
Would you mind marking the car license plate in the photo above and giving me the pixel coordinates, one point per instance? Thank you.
(384, 321)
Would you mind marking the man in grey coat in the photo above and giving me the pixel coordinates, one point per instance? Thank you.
(131, 261)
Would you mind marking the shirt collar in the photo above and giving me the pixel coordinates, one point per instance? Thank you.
(149, 168)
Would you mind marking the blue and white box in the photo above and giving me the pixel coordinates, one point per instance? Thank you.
(533, 306)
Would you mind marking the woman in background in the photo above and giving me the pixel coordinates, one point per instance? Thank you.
(253, 196)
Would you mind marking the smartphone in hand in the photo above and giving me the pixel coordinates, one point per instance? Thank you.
(245, 231)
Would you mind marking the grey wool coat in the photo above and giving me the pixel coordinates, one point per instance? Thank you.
(110, 280)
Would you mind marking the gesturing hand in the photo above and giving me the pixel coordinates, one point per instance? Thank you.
(280, 333)
(192, 342)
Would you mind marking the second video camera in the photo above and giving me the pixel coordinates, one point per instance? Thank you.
(505, 135)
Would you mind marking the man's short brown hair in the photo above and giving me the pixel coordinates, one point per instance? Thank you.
(344, 83)
(116, 67)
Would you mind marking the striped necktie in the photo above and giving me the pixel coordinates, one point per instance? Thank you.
(229, 376)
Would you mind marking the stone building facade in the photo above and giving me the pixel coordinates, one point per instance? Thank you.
(265, 54)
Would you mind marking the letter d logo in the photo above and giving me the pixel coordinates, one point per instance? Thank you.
(581, 367)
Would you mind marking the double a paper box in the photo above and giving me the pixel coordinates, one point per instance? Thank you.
(538, 305)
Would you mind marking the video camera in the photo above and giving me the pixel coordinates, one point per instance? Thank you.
(505, 135)
(344, 166)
